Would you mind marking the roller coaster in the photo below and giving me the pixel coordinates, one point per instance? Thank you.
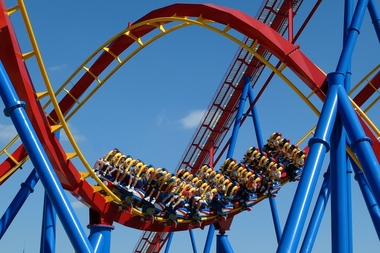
(212, 184)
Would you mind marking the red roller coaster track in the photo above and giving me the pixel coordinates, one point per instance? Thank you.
(68, 175)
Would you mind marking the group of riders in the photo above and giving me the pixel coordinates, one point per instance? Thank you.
(260, 173)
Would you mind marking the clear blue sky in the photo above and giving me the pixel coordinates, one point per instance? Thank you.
(150, 109)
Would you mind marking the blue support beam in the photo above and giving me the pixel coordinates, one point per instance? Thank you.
(209, 238)
(222, 244)
(193, 244)
(316, 217)
(360, 143)
(372, 206)
(100, 237)
(260, 141)
(26, 188)
(239, 114)
(171, 234)
(14, 108)
(319, 145)
(48, 235)
(375, 16)
(339, 201)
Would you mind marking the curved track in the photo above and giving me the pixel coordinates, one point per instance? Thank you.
(95, 71)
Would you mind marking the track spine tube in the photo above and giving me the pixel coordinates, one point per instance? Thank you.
(260, 140)
(14, 109)
(26, 188)
(48, 237)
(369, 199)
(375, 16)
(360, 143)
(318, 212)
(304, 193)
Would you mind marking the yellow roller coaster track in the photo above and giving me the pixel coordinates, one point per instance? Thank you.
(165, 26)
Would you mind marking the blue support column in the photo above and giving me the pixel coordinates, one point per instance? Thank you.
(222, 244)
(26, 188)
(375, 16)
(255, 116)
(372, 206)
(352, 35)
(349, 205)
(239, 114)
(193, 241)
(260, 141)
(348, 12)
(316, 217)
(169, 242)
(48, 235)
(209, 238)
(100, 237)
(318, 147)
(15, 109)
(339, 202)
(360, 143)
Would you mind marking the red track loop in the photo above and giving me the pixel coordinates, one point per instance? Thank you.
(69, 176)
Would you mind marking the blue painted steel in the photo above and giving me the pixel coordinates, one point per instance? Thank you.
(169, 242)
(276, 219)
(48, 230)
(26, 188)
(349, 204)
(255, 116)
(239, 114)
(100, 237)
(348, 12)
(260, 141)
(339, 202)
(193, 241)
(48, 237)
(210, 235)
(223, 244)
(316, 217)
(370, 201)
(304, 193)
(360, 143)
(15, 109)
(352, 35)
(375, 16)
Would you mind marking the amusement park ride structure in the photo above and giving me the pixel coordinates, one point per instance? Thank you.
(343, 129)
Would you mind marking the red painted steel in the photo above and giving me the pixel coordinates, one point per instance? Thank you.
(66, 171)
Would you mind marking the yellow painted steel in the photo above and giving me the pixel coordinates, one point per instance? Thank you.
(159, 24)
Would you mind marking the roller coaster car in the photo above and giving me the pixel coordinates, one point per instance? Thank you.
(220, 205)
(182, 213)
(170, 215)
(246, 198)
(176, 213)
(107, 182)
(297, 174)
(171, 223)
(130, 196)
(136, 197)
(276, 186)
